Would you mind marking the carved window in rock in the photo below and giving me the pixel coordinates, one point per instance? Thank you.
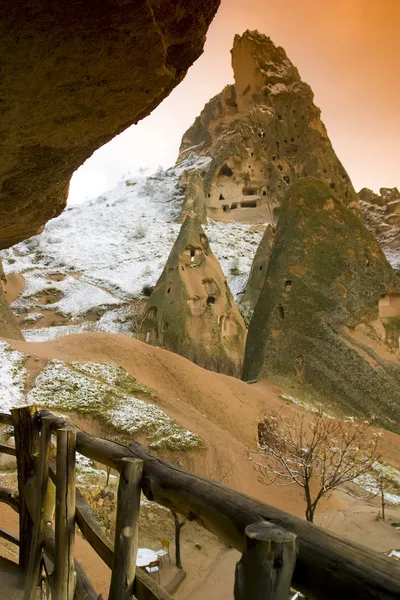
(151, 331)
(226, 171)
(228, 326)
(211, 288)
(196, 306)
(249, 204)
(193, 256)
(249, 191)
(203, 240)
(288, 285)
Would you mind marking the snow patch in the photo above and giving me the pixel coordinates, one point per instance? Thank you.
(107, 250)
(106, 392)
(12, 377)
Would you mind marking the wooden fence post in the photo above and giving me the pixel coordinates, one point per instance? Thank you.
(265, 570)
(64, 565)
(126, 529)
(41, 482)
(27, 446)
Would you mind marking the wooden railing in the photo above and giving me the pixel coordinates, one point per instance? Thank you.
(272, 542)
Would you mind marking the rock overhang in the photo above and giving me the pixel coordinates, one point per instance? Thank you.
(74, 75)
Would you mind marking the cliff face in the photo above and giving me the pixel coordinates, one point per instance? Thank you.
(381, 213)
(326, 322)
(191, 310)
(263, 134)
(258, 273)
(74, 75)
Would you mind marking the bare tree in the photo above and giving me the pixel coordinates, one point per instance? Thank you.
(317, 453)
(178, 527)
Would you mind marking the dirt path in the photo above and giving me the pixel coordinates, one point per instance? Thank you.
(218, 581)
(11, 581)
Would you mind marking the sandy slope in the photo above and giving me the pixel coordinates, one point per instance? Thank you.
(222, 410)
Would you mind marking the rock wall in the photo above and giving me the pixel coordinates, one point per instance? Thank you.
(258, 273)
(326, 322)
(191, 310)
(263, 134)
(381, 214)
(74, 75)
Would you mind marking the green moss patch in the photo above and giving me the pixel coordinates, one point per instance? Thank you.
(106, 393)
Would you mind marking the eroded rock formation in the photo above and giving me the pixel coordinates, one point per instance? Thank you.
(381, 214)
(327, 320)
(74, 75)
(263, 133)
(191, 310)
(9, 327)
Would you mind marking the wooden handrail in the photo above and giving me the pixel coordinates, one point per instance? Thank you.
(7, 449)
(327, 566)
(10, 537)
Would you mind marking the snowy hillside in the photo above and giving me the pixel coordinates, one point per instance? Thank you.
(90, 263)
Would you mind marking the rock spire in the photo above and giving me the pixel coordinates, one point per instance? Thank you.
(191, 310)
(327, 320)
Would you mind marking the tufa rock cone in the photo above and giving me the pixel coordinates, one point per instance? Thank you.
(191, 310)
(327, 320)
(262, 134)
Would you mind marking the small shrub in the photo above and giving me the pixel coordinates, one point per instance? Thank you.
(139, 233)
(147, 290)
(235, 270)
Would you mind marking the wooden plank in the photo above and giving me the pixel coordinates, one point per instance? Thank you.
(84, 588)
(10, 537)
(26, 435)
(145, 587)
(64, 569)
(41, 482)
(126, 529)
(354, 570)
(7, 449)
(265, 570)
(10, 497)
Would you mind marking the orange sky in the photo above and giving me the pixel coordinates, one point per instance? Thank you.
(347, 50)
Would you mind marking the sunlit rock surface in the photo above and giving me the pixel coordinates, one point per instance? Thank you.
(263, 134)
